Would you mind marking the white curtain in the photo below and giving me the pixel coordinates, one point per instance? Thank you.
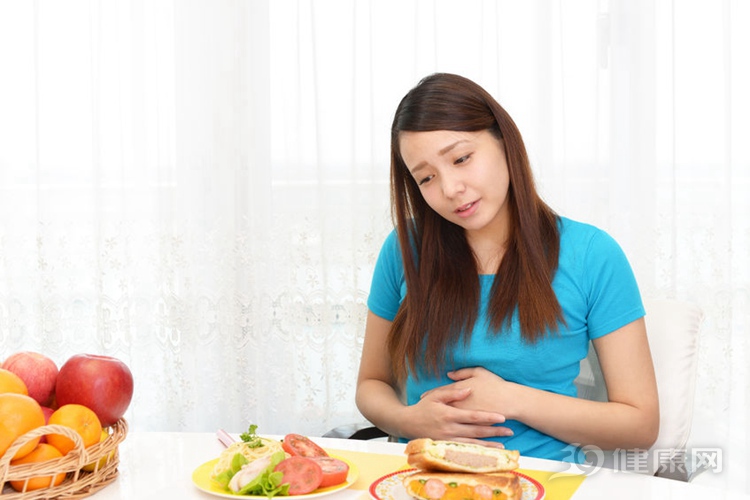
(200, 188)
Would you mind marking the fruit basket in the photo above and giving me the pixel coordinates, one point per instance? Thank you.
(102, 460)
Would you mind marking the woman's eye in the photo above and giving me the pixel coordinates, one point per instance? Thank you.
(463, 159)
(424, 180)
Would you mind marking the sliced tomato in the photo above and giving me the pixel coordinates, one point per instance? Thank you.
(335, 471)
(302, 474)
(301, 446)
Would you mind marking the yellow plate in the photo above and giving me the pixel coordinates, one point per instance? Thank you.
(202, 480)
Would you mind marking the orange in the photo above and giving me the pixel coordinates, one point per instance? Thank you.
(81, 419)
(41, 453)
(18, 415)
(10, 382)
(93, 466)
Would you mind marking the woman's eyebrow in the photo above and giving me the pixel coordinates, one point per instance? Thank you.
(442, 152)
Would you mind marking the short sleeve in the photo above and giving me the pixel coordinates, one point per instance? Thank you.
(388, 283)
(613, 295)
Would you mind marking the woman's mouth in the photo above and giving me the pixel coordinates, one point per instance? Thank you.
(467, 209)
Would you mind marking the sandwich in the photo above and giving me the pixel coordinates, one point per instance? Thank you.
(452, 456)
(425, 485)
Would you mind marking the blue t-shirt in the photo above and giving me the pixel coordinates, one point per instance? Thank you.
(597, 292)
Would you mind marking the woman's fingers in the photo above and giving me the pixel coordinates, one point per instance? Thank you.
(447, 394)
(490, 444)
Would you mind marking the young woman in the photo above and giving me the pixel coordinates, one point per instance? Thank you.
(484, 300)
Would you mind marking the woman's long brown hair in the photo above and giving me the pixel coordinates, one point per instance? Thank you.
(442, 283)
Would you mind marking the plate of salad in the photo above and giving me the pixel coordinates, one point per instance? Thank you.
(258, 467)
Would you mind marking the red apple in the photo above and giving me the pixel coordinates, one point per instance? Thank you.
(102, 383)
(47, 412)
(38, 372)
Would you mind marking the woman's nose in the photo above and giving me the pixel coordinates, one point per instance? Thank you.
(453, 185)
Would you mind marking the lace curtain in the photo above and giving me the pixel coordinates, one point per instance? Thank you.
(201, 188)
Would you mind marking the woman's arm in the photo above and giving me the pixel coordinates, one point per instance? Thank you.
(377, 397)
(379, 401)
(630, 419)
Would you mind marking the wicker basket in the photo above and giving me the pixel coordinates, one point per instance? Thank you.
(77, 483)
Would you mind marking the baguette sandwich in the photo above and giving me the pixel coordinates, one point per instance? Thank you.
(424, 485)
(451, 456)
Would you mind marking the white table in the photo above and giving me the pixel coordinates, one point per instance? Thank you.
(159, 465)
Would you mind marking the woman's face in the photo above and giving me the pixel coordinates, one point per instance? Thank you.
(463, 176)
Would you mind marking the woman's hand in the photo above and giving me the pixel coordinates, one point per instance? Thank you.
(487, 392)
(439, 415)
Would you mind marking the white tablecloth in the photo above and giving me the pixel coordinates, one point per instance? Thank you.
(159, 465)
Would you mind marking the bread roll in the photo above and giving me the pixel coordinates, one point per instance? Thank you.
(451, 456)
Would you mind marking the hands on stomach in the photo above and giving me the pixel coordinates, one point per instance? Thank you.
(450, 412)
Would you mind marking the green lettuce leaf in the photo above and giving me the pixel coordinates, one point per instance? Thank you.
(238, 460)
(268, 482)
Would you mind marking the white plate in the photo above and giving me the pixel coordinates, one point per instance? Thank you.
(391, 487)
